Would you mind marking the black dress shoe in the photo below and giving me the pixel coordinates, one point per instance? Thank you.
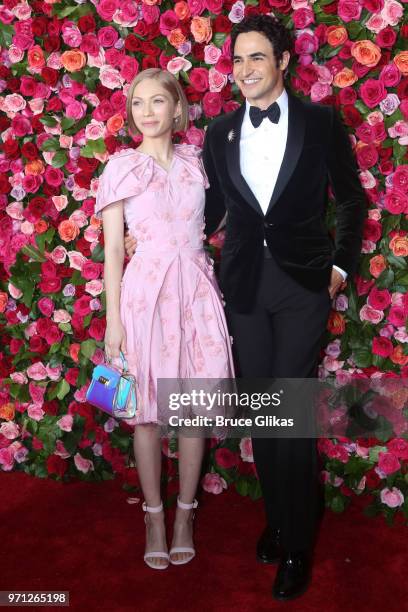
(293, 576)
(268, 549)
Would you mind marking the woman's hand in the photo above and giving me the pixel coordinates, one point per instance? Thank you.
(130, 245)
(115, 340)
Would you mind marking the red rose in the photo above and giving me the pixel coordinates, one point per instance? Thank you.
(224, 65)
(372, 230)
(15, 345)
(5, 186)
(11, 148)
(81, 306)
(351, 116)
(199, 79)
(373, 6)
(97, 329)
(56, 465)
(222, 24)
(386, 38)
(91, 270)
(198, 52)
(29, 150)
(398, 447)
(372, 479)
(50, 76)
(379, 299)
(51, 407)
(330, 9)
(51, 44)
(54, 105)
(132, 43)
(382, 346)
(212, 104)
(225, 458)
(71, 376)
(50, 285)
(372, 92)
(82, 180)
(388, 463)
(396, 202)
(149, 62)
(86, 23)
(367, 156)
(53, 335)
(150, 49)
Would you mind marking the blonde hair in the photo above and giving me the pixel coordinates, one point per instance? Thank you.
(171, 85)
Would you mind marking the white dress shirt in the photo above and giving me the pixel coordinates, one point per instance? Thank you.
(261, 154)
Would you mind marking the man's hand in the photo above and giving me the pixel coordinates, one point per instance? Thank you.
(337, 283)
(130, 245)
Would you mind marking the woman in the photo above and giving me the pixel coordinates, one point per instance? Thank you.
(165, 313)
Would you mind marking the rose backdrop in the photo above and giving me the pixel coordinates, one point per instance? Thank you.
(64, 72)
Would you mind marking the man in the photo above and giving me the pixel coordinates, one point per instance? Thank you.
(269, 164)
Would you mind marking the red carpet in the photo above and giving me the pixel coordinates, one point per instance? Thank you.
(85, 538)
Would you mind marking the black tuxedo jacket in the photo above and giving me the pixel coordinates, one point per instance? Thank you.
(317, 152)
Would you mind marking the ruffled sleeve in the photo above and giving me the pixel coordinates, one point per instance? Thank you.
(191, 156)
(126, 174)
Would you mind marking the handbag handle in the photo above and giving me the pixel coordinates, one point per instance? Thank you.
(124, 362)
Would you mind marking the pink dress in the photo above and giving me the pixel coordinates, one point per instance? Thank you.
(171, 305)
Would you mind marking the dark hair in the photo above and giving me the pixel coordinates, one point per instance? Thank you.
(273, 29)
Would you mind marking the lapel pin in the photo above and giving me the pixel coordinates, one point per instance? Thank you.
(231, 135)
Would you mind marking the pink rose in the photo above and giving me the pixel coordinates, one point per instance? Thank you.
(195, 136)
(61, 451)
(390, 75)
(54, 373)
(245, 446)
(196, 7)
(397, 316)
(129, 68)
(59, 254)
(392, 12)
(306, 44)
(53, 176)
(46, 306)
(37, 371)
(9, 430)
(168, 22)
(217, 81)
(214, 6)
(302, 18)
(388, 463)
(213, 483)
(212, 104)
(349, 10)
(151, 14)
(6, 459)
(372, 92)
(65, 422)
(398, 447)
(36, 393)
(175, 65)
(213, 53)
(107, 36)
(35, 412)
(83, 465)
(237, 12)
(19, 377)
(319, 91)
(367, 313)
(107, 8)
(400, 178)
(392, 497)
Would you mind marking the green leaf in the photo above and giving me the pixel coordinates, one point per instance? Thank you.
(219, 38)
(48, 121)
(385, 279)
(52, 144)
(98, 254)
(46, 237)
(361, 107)
(88, 348)
(6, 35)
(67, 122)
(33, 253)
(338, 504)
(374, 452)
(241, 486)
(63, 389)
(362, 357)
(60, 159)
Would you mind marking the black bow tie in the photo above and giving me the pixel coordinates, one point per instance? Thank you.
(257, 115)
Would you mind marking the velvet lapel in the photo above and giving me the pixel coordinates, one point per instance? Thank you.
(294, 145)
(233, 159)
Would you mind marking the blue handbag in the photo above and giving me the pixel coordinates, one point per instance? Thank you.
(113, 391)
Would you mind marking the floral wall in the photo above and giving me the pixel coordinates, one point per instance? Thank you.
(64, 72)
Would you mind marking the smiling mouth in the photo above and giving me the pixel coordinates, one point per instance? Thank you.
(250, 81)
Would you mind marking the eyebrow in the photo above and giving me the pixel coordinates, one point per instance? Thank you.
(154, 96)
(256, 54)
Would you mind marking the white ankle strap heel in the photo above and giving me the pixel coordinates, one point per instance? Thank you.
(153, 554)
(184, 549)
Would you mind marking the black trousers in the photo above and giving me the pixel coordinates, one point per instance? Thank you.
(281, 337)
